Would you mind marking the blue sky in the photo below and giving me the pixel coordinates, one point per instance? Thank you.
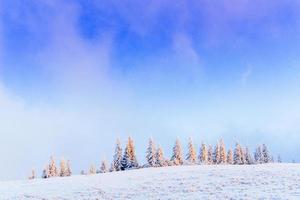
(74, 76)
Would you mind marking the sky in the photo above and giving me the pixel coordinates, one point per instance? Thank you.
(76, 75)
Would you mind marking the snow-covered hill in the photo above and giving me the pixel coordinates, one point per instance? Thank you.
(269, 181)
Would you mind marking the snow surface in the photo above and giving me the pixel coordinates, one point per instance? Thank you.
(267, 181)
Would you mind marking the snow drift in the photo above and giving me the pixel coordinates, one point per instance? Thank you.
(265, 181)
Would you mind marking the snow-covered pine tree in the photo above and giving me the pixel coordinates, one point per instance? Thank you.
(150, 154)
(210, 155)
(229, 157)
(45, 173)
(134, 162)
(129, 159)
(92, 170)
(238, 154)
(279, 159)
(248, 157)
(117, 159)
(69, 171)
(243, 155)
(63, 168)
(272, 159)
(177, 158)
(223, 157)
(52, 168)
(160, 160)
(265, 154)
(112, 169)
(32, 176)
(216, 154)
(203, 157)
(125, 162)
(258, 155)
(103, 167)
(191, 156)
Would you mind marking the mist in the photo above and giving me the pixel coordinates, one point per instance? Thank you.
(76, 76)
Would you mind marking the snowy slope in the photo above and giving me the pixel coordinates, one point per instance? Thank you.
(269, 181)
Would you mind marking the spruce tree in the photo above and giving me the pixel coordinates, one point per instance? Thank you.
(104, 167)
(177, 154)
(243, 155)
(216, 154)
(46, 173)
(203, 157)
(223, 157)
(112, 169)
(52, 168)
(150, 154)
(265, 154)
(279, 159)
(129, 160)
(32, 176)
(125, 162)
(160, 160)
(210, 155)
(248, 157)
(229, 157)
(69, 171)
(191, 156)
(92, 170)
(63, 168)
(238, 154)
(117, 159)
(258, 155)
(134, 162)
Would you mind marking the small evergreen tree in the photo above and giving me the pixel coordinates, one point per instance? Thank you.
(160, 160)
(52, 168)
(117, 159)
(243, 155)
(150, 154)
(272, 159)
(203, 157)
(104, 167)
(92, 170)
(248, 157)
(265, 154)
(112, 169)
(32, 176)
(82, 172)
(191, 156)
(216, 154)
(279, 159)
(238, 155)
(229, 157)
(129, 159)
(210, 155)
(125, 162)
(258, 155)
(69, 171)
(46, 173)
(223, 157)
(63, 168)
(177, 154)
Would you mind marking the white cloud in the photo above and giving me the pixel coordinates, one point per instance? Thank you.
(93, 107)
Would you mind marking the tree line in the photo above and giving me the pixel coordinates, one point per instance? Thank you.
(208, 155)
